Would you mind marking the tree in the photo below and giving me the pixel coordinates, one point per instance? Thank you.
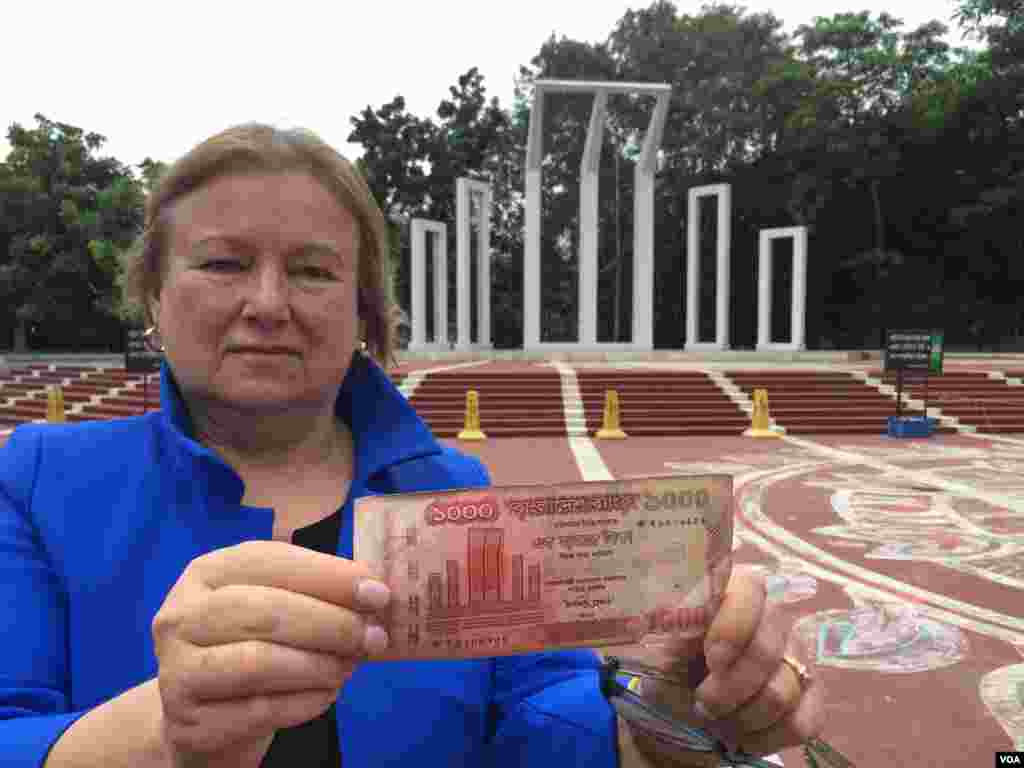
(899, 152)
(875, 91)
(64, 216)
(396, 144)
(152, 171)
(411, 164)
(717, 120)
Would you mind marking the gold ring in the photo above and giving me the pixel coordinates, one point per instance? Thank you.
(802, 674)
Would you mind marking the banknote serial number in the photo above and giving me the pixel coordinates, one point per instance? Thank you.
(475, 643)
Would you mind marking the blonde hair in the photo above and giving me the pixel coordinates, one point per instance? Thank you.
(261, 148)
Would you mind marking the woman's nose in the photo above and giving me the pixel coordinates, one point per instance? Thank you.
(268, 292)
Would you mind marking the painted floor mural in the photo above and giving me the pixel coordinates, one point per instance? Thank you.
(901, 563)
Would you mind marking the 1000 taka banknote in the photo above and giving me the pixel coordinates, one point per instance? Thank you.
(505, 570)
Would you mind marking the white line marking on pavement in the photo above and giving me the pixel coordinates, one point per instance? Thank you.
(875, 592)
(593, 468)
(413, 379)
(996, 438)
(984, 620)
(588, 459)
(916, 475)
(572, 400)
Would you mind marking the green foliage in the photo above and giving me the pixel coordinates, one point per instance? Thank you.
(411, 164)
(901, 153)
(829, 128)
(65, 212)
(152, 171)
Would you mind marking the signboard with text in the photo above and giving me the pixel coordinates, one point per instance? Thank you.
(138, 357)
(913, 351)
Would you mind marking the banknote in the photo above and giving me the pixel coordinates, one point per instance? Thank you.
(517, 569)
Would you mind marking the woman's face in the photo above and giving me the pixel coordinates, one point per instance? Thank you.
(258, 306)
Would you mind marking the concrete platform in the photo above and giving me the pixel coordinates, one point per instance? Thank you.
(568, 354)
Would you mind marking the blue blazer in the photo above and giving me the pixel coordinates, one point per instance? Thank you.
(98, 520)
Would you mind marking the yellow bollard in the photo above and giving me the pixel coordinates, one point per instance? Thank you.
(611, 429)
(760, 424)
(55, 405)
(472, 426)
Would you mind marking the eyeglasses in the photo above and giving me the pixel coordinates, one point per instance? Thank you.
(646, 717)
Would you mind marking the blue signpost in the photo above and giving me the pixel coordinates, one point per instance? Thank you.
(919, 352)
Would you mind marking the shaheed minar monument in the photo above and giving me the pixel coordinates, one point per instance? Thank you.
(473, 201)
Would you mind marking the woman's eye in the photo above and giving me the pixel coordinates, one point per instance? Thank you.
(220, 265)
(317, 272)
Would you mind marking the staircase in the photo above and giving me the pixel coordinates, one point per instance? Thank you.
(89, 393)
(513, 404)
(23, 396)
(988, 402)
(658, 403)
(536, 401)
(822, 402)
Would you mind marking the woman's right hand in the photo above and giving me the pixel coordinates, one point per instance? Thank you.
(257, 637)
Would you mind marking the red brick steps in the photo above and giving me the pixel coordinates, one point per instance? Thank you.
(527, 404)
(975, 399)
(530, 402)
(818, 402)
(653, 403)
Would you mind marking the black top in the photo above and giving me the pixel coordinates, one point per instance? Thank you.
(313, 744)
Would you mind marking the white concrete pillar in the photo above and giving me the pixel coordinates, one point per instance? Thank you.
(590, 180)
(441, 289)
(483, 303)
(531, 262)
(643, 260)
(420, 230)
(723, 279)
(465, 189)
(462, 265)
(418, 299)
(799, 311)
(643, 228)
(764, 289)
(531, 233)
(798, 317)
(722, 252)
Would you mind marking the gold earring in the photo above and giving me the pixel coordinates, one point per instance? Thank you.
(148, 335)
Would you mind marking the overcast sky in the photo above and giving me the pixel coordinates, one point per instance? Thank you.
(157, 78)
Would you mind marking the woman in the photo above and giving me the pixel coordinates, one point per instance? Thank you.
(179, 587)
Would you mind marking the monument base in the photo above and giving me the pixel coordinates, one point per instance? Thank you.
(623, 354)
(911, 426)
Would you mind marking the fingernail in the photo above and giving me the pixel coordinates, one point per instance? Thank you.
(373, 594)
(720, 655)
(375, 639)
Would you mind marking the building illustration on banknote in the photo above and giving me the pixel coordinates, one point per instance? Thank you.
(487, 589)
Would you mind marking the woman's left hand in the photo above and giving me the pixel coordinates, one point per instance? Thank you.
(751, 697)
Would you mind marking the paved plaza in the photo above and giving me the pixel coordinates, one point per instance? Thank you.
(900, 560)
